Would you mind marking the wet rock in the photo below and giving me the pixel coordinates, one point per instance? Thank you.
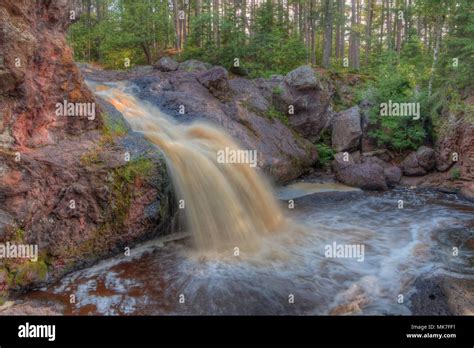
(393, 175)
(420, 162)
(282, 153)
(430, 298)
(467, 191)
(71, 192)
(166, 64)
(28, 308)
(346, 130)
(367, 176)
(216, 81)
(193, 65)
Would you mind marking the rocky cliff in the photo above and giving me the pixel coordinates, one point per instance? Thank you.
(73, 181)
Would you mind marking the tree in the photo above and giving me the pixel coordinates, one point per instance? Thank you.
(328, 33)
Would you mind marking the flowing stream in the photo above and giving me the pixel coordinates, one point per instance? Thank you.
(281, 266)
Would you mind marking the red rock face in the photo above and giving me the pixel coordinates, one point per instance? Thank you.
(47, 161)
(460, 140)
(38, 71)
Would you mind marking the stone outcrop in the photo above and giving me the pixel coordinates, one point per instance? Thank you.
(216, 80)
(303, 97)
(346, 130)
(240, 106)
(420, 162)
(193, 65)
(367, 176)
(65, 183)
(166, 64)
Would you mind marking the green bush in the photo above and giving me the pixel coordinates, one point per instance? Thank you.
(455, 173)
(396, 83)
(325, 154)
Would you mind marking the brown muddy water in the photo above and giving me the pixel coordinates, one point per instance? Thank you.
(283, 265)
(400, 246)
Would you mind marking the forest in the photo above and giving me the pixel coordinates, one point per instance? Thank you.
(403, 50)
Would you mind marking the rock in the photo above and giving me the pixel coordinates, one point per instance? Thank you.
(166, 64)
(346, 130)
(33, 39)
(367, 176)
(458, 139)
(420, 162)
(302, 78)
(216, 81)
(238, 70)
(67, 158)
(342, 160)
(300, 90)
(282, 153)
(467, 191)
(430, 297)
(374, 159)
(356, 156)
(193, 65)
(392, 175)
(249, 94)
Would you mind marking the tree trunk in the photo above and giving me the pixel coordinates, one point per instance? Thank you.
(328, 33)
(215, 23)
(389, 25)
(399, 28)
(382, 15)
(438, 29)
(354, 40)
(312, 25)
(368, 31)
(146, 50)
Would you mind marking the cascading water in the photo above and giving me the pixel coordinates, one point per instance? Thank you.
(290, 273)
(227, 205)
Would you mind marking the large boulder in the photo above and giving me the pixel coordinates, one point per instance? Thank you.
(420, 162)
(303, 98)
(367, 176)
(216, 81)
(393, 175)
(346, 130)
(166, 64)
(193, 65)
(302, 78)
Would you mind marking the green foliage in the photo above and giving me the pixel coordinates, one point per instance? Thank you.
(138, 168)
(455, 173)
(113, 128)
(270, 50)
(325, 154)
(397, 82)
(274, 113)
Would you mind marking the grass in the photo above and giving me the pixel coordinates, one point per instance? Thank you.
(272, 113)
